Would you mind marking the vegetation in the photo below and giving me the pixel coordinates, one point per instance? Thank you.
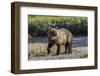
(38, 51)
(38, 25)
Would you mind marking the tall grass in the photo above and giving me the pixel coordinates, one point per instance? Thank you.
(38, 24)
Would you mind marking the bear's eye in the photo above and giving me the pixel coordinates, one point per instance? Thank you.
(53, 33)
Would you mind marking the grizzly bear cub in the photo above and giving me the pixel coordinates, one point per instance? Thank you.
(59, 37)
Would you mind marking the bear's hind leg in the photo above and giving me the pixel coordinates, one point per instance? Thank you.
(58, 49)
(69, 48)
(66, 48)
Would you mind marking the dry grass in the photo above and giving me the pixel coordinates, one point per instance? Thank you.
(38, 51)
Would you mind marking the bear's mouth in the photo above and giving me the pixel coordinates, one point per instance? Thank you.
(53, 33)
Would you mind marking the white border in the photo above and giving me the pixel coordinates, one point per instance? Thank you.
(25, 64)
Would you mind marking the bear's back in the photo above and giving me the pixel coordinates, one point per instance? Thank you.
(64, 35)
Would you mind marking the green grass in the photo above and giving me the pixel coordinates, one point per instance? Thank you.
(38, 24)
(44, 21)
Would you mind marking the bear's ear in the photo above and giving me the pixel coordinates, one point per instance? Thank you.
(56, 27)
(49, 28)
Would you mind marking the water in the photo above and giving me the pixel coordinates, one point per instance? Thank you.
(80, 41)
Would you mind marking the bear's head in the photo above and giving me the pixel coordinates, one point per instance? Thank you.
(52, 31)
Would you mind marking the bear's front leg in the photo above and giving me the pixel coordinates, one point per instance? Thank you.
(49, 46)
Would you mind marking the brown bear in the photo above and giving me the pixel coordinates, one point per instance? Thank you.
(59, 37)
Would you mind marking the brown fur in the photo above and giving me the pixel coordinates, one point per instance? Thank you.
(60, 37)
